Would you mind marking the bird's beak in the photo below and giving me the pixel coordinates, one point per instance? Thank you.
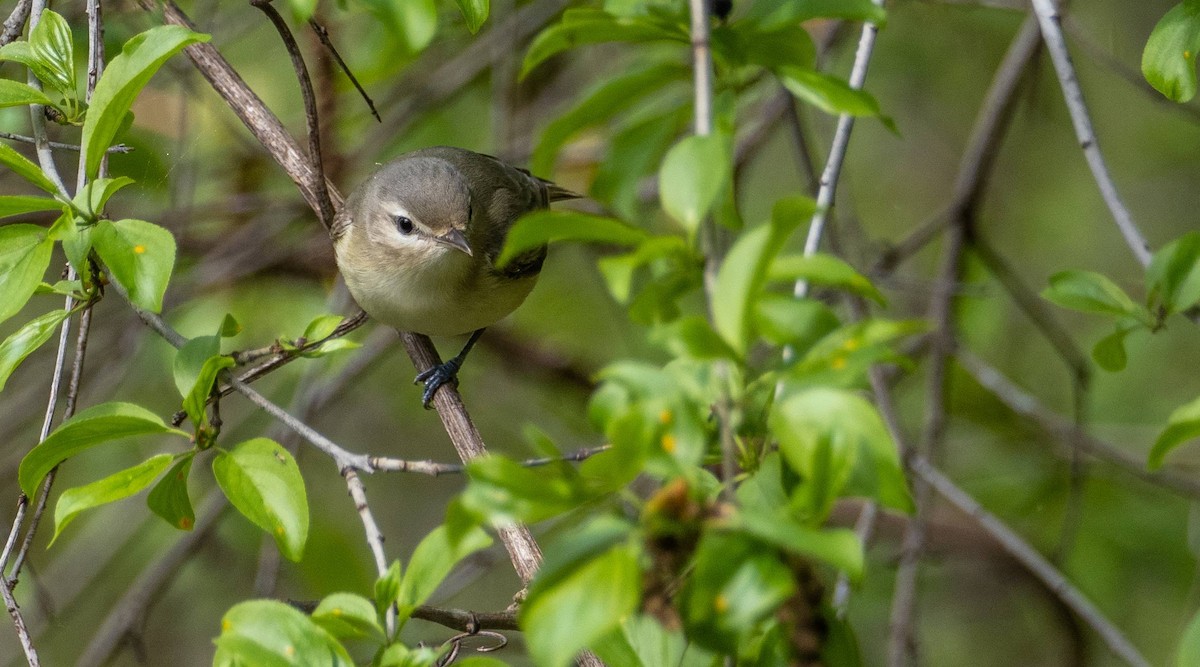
(455, 239)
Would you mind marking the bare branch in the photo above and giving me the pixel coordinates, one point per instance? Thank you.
(323, 36)
(982, 147)
(1051, 26)
(15, 23)
(374, 536)
(312, 123)
(118, 148)
(1042, 568)
(901, 643)
(837, 151)
(1063, 430)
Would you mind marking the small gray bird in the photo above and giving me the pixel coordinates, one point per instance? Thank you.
(417, 244)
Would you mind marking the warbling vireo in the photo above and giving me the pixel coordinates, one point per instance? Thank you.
(417, 244)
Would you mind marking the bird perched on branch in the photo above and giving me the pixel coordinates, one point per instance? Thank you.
(417, 243)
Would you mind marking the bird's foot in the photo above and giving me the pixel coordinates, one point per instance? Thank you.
(435, 377)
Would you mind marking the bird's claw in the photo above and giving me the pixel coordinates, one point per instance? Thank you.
(436, 376)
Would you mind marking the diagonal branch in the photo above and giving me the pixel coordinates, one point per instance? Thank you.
(1033, 561)
(1052, 34)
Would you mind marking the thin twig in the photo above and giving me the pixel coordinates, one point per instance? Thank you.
(901, 642)
(20, 138)
(1064, 430)
(281, 358)
(374, 536)
(323, 36)
(837, 150)
(1033, 561)
(325, 206)
(15, 22)
(1051, 26)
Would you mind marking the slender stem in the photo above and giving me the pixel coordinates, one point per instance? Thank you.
(702, 67)
(15, 22)
(1051, 26)
(1033, 561)
(20, 138)
(318, 184)
(837, 151)
(374, 536)
(901, 643)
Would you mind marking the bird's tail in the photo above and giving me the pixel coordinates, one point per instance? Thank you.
(555, 192)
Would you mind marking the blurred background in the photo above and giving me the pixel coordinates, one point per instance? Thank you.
(250, 247)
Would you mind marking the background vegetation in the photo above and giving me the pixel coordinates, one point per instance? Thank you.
(1026, 410)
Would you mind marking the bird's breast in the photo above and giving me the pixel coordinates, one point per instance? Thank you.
(447, 296)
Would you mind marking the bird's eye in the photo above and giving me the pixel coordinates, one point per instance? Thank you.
(404, 224)
(470, 210)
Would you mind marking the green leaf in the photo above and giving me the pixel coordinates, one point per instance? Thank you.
(601, 104)
(348, 616)
(504, 491)
(24, 255)
(1173, 276)
(19, 204)
(93, 197)
(302, 10)
(387, 588)
(1188, 652)
(541, 227)
(739, 281)
(432, 560)
(140, 256)
(22, 52)
(169, 498)
(776, 13)
(229, 327)
(839, 547)
(592, 26)
(15, 94)
(263, 482)
(27, 170)
(25, 340)
(475, 12)
(189, 361)
(827, 270)
(266, 633)
(829, 94)
(197, 398)
(745, 42)
(562, 618)
(787, 320)
(51, 43)
(632, 153)
(122, 81)
(693, 174)
(413, 23)
(735, 584)
(1089, 292)
(1169, 60)
(744, 271)
(694, 337)
(93, 426)
(1109, 352)
(830, 437)
(1182, 425)
(110, 489)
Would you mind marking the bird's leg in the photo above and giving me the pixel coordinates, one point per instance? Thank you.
(442, 373)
